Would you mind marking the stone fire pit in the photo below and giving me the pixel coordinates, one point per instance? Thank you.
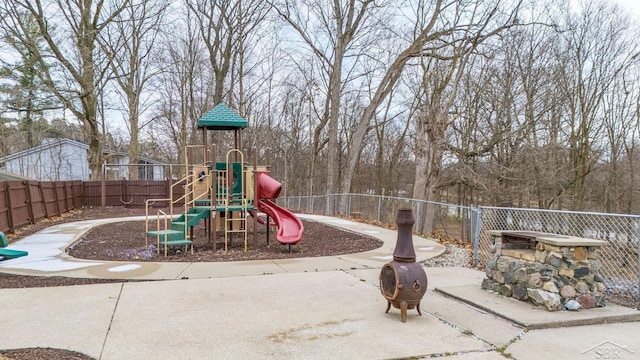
(554, 271)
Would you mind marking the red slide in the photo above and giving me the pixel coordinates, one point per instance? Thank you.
(289, 226)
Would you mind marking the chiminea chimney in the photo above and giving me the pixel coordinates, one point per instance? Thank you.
(404, 251)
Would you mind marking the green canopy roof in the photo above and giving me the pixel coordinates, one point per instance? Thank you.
(222, 118)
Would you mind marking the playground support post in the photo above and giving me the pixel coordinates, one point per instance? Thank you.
(205, 143)
(254, 158)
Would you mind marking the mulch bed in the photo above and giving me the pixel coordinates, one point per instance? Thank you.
(41, 354)
(125, 241)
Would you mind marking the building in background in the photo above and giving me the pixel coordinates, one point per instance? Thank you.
(66, 159)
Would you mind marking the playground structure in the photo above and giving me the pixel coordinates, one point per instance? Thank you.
(222, 194)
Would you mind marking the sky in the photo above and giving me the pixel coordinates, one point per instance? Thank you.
(631, 5)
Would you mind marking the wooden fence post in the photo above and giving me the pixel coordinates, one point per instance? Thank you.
(55, 195)
(44, 200)
(103, 195)
(32, 218)
(8, 204)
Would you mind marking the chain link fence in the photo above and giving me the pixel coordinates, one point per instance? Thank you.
(451, 221)
(620, 258)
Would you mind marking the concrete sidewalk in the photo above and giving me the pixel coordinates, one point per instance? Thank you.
(47, 256)
(328, 308)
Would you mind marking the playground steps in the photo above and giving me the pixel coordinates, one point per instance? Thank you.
(168, 235)
(191, 218)
(176, 235)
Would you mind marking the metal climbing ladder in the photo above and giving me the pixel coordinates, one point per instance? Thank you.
(231, 202)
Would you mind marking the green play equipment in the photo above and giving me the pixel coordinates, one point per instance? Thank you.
(223, 194)
(206, 188)
(222, 118)
(236, 170)
(9, 253)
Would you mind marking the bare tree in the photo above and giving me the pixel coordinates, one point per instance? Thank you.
(329, 31)
(223, 26)
(79, 67)
(128, 43)
(509, 111)
(631, 148)
(542, 161)
(595, 52)
(614, 189)
(391, 130)
(521, 91)
(185, 89)
(444, 58)
(215, 20)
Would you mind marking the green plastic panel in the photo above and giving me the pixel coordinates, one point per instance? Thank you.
(12, 254)
(237, 175)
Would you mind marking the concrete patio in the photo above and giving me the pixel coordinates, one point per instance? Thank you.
(311, 308)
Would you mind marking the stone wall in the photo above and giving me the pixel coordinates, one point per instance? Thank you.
(553, 276)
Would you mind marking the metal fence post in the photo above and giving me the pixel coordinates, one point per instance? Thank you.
(472, 227)
(476, 224)
(418, 220)
(638, 242)
(379, 207)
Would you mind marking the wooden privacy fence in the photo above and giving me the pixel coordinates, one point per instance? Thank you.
(26, 202)
(129, 193)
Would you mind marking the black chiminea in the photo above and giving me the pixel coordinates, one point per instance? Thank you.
(403, 282)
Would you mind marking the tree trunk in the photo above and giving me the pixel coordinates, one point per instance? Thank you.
(430, 132)
(134, 142)
(335, 92)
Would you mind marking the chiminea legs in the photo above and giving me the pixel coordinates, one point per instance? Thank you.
(403, 309)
